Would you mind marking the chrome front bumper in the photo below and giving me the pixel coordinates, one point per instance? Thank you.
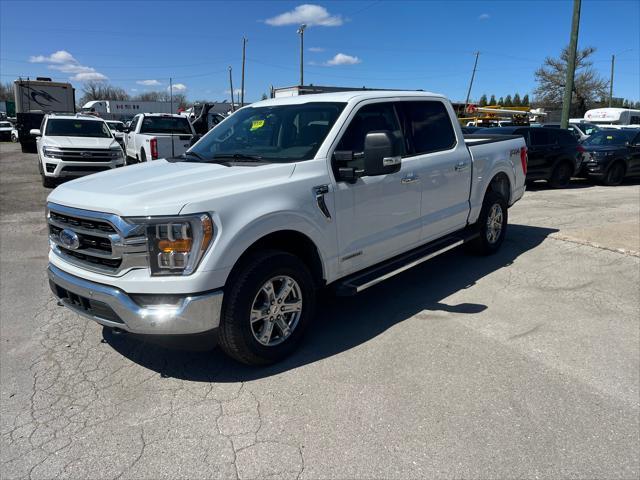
(113, 307)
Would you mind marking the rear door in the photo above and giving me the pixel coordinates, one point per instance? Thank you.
(541, 152)
(131, 138)
(441, 163)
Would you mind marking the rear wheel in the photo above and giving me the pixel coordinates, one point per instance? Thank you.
(143, 156)
(561, 175)
(492, 224)
(14, 138)
(615, 174)
(268, 305)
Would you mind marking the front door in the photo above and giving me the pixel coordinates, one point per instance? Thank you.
(377, 216)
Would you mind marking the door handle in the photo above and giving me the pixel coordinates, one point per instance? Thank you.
(461, 166)
(410, 179)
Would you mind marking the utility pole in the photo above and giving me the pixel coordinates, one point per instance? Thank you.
(231, 87)
(244, 46)
(300, 32)
(571, 65)
(173, 153)
(466, 102)
(613, 61)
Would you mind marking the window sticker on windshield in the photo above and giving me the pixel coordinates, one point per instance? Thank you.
(609, 137)
(77, 125)
(256, 124)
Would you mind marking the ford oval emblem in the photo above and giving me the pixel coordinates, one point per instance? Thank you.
(69, 239)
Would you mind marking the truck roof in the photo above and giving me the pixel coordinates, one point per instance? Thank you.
(77, 116)
(355, 95)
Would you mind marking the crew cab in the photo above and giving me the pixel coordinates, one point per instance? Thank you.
(612, 155)
(554, 154)
(74, 146)
(151, 136)
(283, 198)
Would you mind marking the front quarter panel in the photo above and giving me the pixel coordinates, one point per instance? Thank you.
(245, 217)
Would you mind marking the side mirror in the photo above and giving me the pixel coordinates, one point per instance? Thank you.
(126, 129)
(381, 155)
(35, 132)
(195, 139)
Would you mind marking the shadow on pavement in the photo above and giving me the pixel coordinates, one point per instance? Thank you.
(343, 323)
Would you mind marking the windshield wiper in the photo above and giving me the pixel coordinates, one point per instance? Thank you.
(239, 157)
(197, 155)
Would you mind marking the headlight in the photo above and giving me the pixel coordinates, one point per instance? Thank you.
(52, 152)
(116, 152)
(176, 244)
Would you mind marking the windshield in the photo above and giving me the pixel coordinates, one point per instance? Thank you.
(284, 133)
(610, 137)
(179, 125)
(117, 126)
(588, 128)
(77, 128)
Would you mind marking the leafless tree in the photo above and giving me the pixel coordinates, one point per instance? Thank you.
(6, 91)
(588, 86)
(102, 91)
(179, 99)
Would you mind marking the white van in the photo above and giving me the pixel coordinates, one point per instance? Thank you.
(613, 116)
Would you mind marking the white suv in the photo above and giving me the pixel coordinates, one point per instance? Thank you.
(74, 146)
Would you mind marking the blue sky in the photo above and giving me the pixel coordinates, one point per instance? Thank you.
(416, 45)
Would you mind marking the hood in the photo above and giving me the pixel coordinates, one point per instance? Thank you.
(80, 142)
(603, 148)
(163, 188)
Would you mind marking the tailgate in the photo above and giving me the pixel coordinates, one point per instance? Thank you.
(172, 145)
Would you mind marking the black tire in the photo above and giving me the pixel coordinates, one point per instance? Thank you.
(28, 147)
(143, 156)
(48, 182)
(561, 175)
(615, 174)
(14, 139)
(484, 244)
(130, 160)
(236, 334)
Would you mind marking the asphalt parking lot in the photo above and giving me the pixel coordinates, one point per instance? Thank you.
(525, 364)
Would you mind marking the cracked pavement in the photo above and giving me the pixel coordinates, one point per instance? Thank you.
(523, 364)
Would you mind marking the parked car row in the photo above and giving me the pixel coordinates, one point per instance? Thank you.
(582, 150)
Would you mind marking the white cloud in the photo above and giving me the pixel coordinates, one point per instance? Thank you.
(312, 15)
(87, 76)
(149, 83)
(343, 59)
(61, 56)
(177, 88)
(484, 16)
(316, 49)
(134, 89)
(64, 62)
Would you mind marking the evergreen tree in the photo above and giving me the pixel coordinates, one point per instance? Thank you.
(483, 101)
(525, 100)
(516, 100)
(492, 100)
(507, 101)
(626, 104)
(501, 102)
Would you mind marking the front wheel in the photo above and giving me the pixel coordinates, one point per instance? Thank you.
(614, 175)
(269, 303)
(492, 224)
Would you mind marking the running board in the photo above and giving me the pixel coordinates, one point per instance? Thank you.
(383, 271)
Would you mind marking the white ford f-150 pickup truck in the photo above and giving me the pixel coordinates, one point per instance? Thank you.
(284, 197)
(151, 136)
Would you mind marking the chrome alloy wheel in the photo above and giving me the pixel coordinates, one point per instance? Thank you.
(276, 310)
(494, 223)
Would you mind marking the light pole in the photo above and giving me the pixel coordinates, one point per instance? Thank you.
(571, 64)
(300, 32)
(231, 88)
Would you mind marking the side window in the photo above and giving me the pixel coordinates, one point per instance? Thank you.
(568, 137)
(428, 126)
(635, 120)
(370, 118)
(539, 137)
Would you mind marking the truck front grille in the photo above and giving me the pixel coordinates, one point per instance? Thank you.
(84, 155)
(96, 241)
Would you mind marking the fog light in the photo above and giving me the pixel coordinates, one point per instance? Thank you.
(51, 167)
